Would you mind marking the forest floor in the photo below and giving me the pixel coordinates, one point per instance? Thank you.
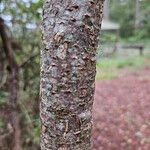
(122, 112)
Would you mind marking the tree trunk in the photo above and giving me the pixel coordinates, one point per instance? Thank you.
(137, 13)
(13, 87)
(106, 10)
(68, 67)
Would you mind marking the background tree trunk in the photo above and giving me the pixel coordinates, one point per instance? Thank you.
(13, 87)
(68, 68)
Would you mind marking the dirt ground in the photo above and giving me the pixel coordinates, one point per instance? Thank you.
(122, 112)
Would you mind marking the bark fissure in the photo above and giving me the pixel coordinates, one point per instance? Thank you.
(68, 68)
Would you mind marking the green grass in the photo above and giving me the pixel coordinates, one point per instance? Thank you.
(108, 68)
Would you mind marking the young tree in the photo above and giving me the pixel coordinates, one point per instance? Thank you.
(68, 67)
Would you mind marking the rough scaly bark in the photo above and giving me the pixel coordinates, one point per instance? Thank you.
(68, 67)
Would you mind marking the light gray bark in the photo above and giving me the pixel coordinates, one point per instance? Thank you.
(68, 68)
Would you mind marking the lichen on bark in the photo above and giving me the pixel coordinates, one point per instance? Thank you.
(68, 67)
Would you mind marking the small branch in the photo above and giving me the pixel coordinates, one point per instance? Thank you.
(28, 60)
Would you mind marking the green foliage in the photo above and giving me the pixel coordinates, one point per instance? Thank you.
(3, 98)
(124, 13)
(108, 68)
(127, 26)
(37, 130)
(105, 36)
(23, 19)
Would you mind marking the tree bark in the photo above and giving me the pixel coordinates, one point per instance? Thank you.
(68, 67)
(1, 66)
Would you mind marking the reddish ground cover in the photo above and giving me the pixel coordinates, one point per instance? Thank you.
(122, 112)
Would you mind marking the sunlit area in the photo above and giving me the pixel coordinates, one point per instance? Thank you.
(121, 110)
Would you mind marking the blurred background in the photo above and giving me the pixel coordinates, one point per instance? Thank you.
(123, 67)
